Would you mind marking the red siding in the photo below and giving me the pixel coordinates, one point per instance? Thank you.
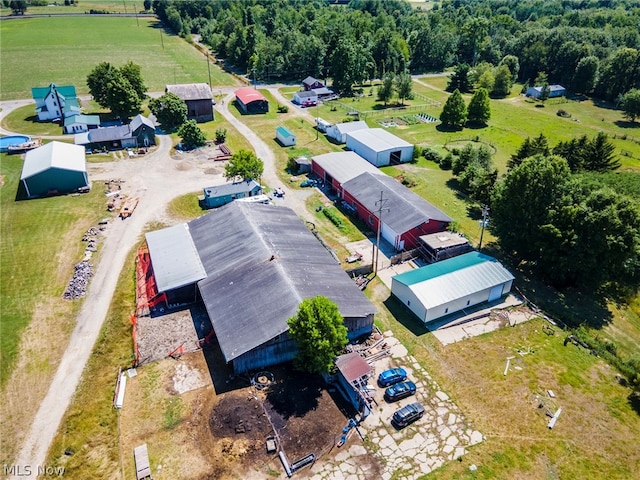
(411, 237)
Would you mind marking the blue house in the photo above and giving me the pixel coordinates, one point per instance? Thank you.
(228, 192)
(554, 91)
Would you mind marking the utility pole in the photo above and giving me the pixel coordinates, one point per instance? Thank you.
(485, 214)
(381, 208)
(209, 69)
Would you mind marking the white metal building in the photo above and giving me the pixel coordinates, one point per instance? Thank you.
(452, 285)
(379, 147)
(339, 131)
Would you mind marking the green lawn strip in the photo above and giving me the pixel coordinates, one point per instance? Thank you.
(89, 428)
(41, 43)
(34, 232)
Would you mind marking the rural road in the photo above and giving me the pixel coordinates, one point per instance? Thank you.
(156, 179)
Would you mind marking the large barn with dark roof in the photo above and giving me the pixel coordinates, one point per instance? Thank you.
(405, 216)
(197, 97)
(252, 265)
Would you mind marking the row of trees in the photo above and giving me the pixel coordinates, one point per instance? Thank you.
(586, 46)
(455, 113)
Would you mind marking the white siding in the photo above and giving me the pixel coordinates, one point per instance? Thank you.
(406, 295)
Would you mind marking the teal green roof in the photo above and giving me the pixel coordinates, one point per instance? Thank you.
(443, 268)
(64, 90)
(284, 132)
(81, 118)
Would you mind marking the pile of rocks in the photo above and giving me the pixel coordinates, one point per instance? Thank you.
(77, 287)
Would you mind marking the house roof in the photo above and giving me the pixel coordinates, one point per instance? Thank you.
(59, 155)
(406, 210)
(190, 91)
(322, 91)
(352, 366)
(347, 127)
(306, 94)
(552, 88)
(457, 277)
(343, 166)
(378, 139)
(80, 118)
(140, 120)
(284, 132)
(109, 134)
(230, 188)
(261, 262)
(247, 95)
(440, 240)
(174, 257)
(39, 93)
(310, 81)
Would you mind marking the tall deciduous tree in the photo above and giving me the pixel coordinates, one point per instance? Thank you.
(454, 112)
(479, 110)
(348, 64)
(121, 90)
(169, 109)
(191, 134)
(385, 90)
(586, 75)
(320, 334)
(244, 164)
(630, 104)
(513, 64)
(503, 82)
(404, 87)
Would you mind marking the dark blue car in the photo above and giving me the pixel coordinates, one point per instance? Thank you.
(392, 376)
(406, 415)
(399, 391)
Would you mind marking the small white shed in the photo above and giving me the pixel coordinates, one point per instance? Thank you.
(451, 285)
(285, 137)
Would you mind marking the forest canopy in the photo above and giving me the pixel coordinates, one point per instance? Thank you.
(588, 46)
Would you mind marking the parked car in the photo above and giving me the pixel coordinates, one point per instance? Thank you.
(406, 415)
(308, 183)
(279, 192)
(399, 391)
(392, 376)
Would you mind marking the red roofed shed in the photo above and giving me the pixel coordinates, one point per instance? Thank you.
(251, 100)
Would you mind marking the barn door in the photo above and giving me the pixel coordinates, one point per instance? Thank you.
(495, 293)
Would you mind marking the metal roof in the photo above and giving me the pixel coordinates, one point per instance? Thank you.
(378, 139)
(190, 91)
(63, 90)
(443, 240)
(343, 166)
(109, 134)
(457, 277)
(140, 120)
(347, 127)
(59, 155)
(247, 95)
(353, 366)
(284, 131)
(306, 94)
(406, 210)
(230, 188)
(174, 257)
(323, 91)
(261, 262)
(80, 118)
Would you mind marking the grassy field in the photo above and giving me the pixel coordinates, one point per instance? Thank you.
(38, 51)
(81, 7)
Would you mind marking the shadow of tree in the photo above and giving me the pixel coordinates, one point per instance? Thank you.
(296, 395)
(627, 124)
(447, 128)
(634, 401)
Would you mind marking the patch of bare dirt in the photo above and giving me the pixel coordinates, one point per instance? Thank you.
(297, 408)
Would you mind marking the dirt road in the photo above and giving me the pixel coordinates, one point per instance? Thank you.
(156, 179)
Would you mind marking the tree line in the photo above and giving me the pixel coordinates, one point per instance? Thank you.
(588, 46)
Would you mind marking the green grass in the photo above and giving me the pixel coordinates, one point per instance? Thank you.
(83, 6)
(41, 240)
(38, 51)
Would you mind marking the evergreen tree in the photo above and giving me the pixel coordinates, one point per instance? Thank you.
(600, 154)
(529, 148)
(385, 90)
(479, 110)
(454, 112)
(460, 79)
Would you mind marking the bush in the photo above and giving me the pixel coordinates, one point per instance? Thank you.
(332, 214)
(446, 162)
(430, 154)
(292, 166)
(408, 181)
(221, 135)
(283, 108)
(563, 113)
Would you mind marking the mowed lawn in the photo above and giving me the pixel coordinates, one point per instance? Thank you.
(63, 50)
(41, 241)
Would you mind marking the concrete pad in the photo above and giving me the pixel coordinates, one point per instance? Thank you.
(387, 442)
(357, 450)
(453, 441)
(442, 396)
(398, 351)
(342, 456)
(476, 437)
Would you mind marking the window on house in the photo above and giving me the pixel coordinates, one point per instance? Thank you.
(446, 310)
(408, 303)
(370, 219)
(468, 301)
